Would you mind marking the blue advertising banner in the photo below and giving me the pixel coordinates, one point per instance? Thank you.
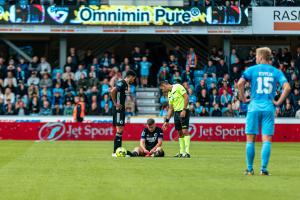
(123, 15)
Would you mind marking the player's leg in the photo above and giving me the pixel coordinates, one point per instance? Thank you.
(119, 119)
(252, 129)
(178, 127)
(185, 130)
(118, 137)
(268, 123)
(159, 152)
(138, 151)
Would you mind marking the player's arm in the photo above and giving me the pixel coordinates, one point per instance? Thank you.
(241, 89)
(143, 146)
(286, 90)
(246, 76)
(169, 115)
(142, 142)
(186, 102)
(114, 97)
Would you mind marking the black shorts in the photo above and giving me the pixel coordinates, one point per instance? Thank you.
(149, 147)
(181, 123)
(118, 117)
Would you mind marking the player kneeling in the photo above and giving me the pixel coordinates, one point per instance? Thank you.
(151, 141)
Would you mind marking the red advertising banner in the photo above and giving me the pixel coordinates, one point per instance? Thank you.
(105, 131)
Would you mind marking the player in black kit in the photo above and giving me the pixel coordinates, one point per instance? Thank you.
(118, 96)
(151, 141)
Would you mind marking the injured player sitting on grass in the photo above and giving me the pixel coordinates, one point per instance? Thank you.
(151, 142)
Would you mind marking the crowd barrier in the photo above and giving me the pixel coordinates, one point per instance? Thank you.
(100, 128)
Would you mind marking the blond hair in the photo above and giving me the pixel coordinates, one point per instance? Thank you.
(265, 53)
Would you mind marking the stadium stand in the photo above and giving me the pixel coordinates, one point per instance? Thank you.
(39, 88)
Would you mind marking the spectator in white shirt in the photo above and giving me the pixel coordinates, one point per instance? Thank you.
(8, 95)
(44, 66)
(79, 72)
(68, 72)
(10, 78)
(33, 79)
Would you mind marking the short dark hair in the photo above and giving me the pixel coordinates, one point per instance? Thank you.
(150, 121)
(163, 82)
(130, 73)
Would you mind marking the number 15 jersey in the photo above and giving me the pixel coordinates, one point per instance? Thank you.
(264, 79)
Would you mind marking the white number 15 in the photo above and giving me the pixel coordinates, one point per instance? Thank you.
(264, 85)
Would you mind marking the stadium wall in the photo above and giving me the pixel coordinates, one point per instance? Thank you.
(100, 128)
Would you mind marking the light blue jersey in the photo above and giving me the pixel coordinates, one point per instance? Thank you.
(263, 79)
(145, 68)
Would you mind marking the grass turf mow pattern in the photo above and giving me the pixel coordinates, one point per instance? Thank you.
(85, 170)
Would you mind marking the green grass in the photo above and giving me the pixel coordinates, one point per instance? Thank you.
(85, 170)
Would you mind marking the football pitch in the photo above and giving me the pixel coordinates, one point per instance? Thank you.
(85, 170)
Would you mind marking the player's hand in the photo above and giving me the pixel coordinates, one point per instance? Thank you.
(146, 152)
(183, 113)
(118, 106)
(152, 151)
(165, 126)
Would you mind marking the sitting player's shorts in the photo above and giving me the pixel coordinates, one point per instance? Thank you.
(260, 119)
(118, 117)
(181, 123)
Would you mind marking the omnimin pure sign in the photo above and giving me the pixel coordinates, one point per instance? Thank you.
(139, 15)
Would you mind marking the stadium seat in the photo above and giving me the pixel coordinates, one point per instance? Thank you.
(198, 73)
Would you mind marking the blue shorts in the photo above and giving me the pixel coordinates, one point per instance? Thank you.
(260, 119)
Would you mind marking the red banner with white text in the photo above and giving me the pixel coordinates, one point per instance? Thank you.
(105, 131)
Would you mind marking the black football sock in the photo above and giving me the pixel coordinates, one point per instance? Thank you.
(129, 153)
(117, 141)
(135, 154)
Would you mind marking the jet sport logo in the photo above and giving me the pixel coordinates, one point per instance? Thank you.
(58, 14)
(52, 131)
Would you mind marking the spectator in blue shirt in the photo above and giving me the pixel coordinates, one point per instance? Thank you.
(46, 91)
(164, 73)
(58, 89)
(45, 109)
(211, 69)
(55, 71)
(225, 99)
(57, 99)
(105, 87)
(164, 111)
(176, 77)
(20, 74)
(105, 101)
(163, 99)
(198, 109)
(192, 97)
(145, 66)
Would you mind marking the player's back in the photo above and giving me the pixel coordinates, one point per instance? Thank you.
(264, 79)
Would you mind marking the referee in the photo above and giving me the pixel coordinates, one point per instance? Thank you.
(179, 104)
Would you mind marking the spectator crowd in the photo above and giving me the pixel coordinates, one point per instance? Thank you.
(212, 87)
(39, 89)
(36, 88)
